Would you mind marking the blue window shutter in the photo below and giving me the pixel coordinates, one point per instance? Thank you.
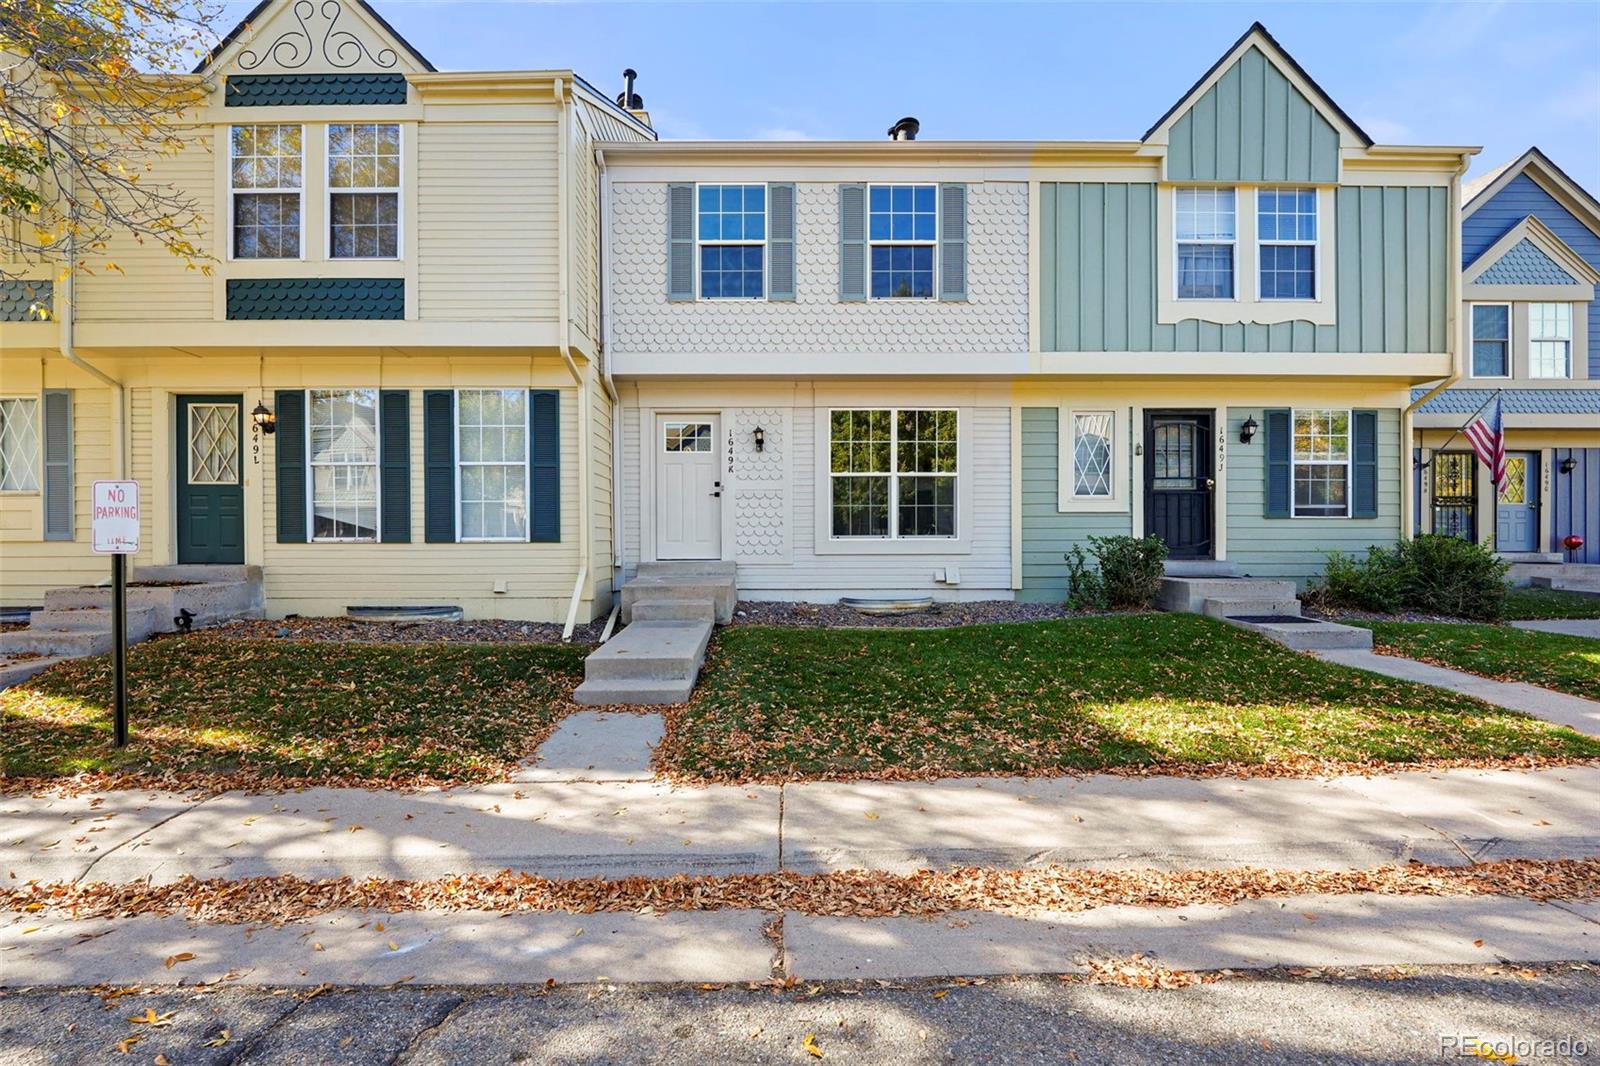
(58, 509)
(680, 241)
(1279, 493)
(394, 489)
(852, 243)
(953, 242)
(290, 463)
(544, 437)
(439, 466)
(1364, 464)
(780, 242)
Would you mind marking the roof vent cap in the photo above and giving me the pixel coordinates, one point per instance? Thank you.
(905, 130)
(627, 98)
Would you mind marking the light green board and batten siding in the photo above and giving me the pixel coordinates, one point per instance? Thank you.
(1253, 125)
(1098, 276)
(1047, 534)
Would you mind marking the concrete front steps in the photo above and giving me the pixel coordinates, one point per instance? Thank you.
(1569, 577)
(77, 621)
(1268, 607)
(669, 611)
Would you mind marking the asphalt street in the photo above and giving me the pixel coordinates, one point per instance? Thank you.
(1335, 1017)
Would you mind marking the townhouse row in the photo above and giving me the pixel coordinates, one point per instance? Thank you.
(481, 340)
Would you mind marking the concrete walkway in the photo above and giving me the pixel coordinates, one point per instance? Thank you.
(626, 828)
(597, 746)
(1572, 711)
(1572, 627)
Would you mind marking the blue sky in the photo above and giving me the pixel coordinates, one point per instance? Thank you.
(1502, 75)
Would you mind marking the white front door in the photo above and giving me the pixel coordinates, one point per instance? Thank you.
(688, 488)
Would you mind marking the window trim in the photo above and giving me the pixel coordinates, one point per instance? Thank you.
(377, 465)
(766, 252)
(893, 475)
(1349, 462)
(1067, 498)
(37, 400)
(1179, 242)
(938, 217)
(1569, 340)
(527, 461)
(1472, 339)
(234, 193)
(328, 193)
(1315, 245)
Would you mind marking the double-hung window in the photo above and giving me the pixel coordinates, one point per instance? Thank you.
(732, 230)
(1550, 340)
(1321, 458)
(363, 191)
(492, 431)
(1286, 241)
(1491, 340)
(343, 430)
(1206, 235)
(893, 473)
(19, 444)
(266, 179)
(902, 229)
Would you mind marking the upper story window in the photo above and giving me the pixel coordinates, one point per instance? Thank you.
(19, 444)
(893, 473)
(902, 229)
(1286, 235)
(732, 230)
(363, 191)
(266, 180)
(1491, 340)
(1206, 235)
(1549, 340)
(343, 428)
(492, 425)
(1321, 463)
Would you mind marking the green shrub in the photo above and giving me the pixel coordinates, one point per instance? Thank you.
(1429, 574)
(1126, 574)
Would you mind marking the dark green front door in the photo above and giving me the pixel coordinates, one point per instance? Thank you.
(209, 433)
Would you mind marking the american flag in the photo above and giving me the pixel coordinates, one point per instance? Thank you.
(1487, 436)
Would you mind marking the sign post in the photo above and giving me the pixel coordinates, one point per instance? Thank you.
(116, 533)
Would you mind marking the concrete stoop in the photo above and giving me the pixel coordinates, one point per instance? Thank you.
(1267, 607)
(1586, 583)
(669, 611)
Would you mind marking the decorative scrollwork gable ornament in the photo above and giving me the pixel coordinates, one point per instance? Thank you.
(293, 48)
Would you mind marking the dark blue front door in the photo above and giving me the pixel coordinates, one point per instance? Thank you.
(210, 479)
(1517, 516)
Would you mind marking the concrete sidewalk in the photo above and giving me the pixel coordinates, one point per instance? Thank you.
(1571, 627)
(1572, 711)
(625, 828)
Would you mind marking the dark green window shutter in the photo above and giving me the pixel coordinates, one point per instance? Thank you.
(1364, 464)
(544, 438)
(780, 241)
(1279, 441)
(290, 447)
(58, 509)
(439, 466)
(852, 243)
(680, 241)
(394, 490)
(952, 242)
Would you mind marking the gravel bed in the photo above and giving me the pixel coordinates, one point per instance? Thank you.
(486, 631)
(1346, 615)
(940, 615)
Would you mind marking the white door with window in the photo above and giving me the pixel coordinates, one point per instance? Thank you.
(688, 487)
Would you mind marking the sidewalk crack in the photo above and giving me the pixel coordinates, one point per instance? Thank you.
(1564, 905)
(1471, 859)
(782, 793)
(249, 1046)
(422, 1034)
(142, 834)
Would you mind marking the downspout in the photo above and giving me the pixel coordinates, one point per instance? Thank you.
(563, 326)
(1452, 315)
(618, 567)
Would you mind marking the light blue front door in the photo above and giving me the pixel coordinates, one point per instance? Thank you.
(1517, 518)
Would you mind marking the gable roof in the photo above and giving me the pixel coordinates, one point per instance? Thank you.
(1530, 253)
(1543, 172)
(1258, 36)
(256, 12)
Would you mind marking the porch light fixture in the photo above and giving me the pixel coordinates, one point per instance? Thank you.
(761, 439)
(1248, 431)
(264, 420)
(1568, 465)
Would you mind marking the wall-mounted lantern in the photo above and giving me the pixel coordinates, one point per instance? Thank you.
(1568, 465)
(1247, 431)
(761, 439)
(264, 420)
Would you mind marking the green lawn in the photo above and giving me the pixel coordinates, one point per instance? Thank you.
(1074, 694)
(1530, 603)
(308, 712)
(1554, 660)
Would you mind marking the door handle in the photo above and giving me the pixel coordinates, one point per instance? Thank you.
(1211, 483)
(718, 493)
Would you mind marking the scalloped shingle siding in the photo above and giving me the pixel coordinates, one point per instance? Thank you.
(316, 298)
(314, 90)
(16, 297)
(1525, 264)
(1515, 401)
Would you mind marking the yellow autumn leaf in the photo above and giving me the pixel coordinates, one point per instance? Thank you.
(218, 1040)
(811, 1047)
(182, 956)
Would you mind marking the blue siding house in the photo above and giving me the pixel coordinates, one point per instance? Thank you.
(1530, 251)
